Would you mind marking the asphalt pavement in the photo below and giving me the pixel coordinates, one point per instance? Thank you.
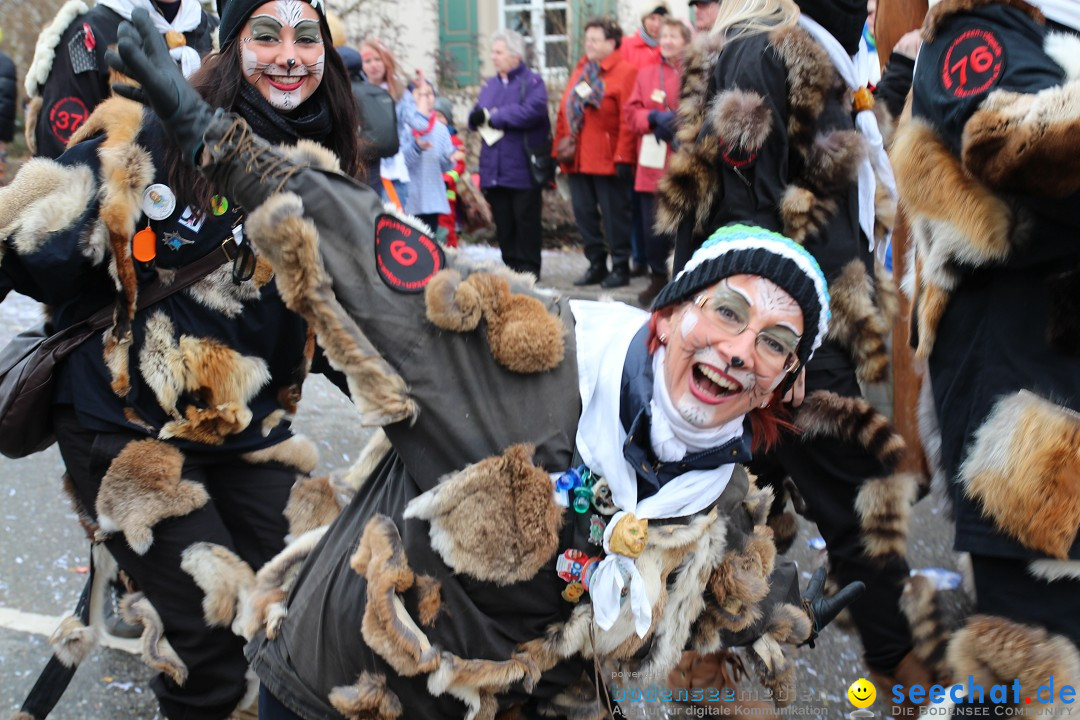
(44, 557)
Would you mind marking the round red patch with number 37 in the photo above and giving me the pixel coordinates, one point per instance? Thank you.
(406, 257)
(973, 63)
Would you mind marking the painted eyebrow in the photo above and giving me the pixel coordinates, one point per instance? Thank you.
(745, 296)
(270, 18)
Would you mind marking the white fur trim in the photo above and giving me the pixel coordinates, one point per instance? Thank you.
(1053, 570)
(1064, 49)
(45, 51)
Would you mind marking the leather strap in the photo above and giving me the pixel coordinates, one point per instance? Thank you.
(185, 277)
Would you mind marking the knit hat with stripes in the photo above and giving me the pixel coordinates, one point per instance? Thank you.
(744, 249)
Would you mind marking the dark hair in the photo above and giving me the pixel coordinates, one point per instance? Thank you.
(611, 29)
(219, 81)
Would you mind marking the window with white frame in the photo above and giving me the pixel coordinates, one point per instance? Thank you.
(543, 24)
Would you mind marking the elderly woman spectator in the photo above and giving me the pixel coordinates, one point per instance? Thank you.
(513, 106)
(596, 150)
(651, 117)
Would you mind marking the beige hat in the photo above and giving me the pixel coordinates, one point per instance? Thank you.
(337, 29)
(655, 7)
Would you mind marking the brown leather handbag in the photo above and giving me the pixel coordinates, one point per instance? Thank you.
(28, 363)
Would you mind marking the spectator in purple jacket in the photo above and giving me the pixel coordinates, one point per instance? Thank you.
(512, 109)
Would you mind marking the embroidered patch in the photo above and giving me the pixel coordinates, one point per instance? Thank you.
(973, 63)
(65, 117)
(81, 51)
(406, 257)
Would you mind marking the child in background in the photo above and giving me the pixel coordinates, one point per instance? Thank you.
(447, 230)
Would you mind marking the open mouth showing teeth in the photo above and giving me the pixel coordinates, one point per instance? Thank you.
(284, 84)
(713, 385)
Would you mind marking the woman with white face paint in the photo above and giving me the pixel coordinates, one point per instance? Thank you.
(174, 422)
(563, 482)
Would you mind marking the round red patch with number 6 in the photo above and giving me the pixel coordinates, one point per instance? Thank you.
(406, 257)
(973, 63)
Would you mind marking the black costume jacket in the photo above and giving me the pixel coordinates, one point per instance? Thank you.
(69, 76)
(989, 174)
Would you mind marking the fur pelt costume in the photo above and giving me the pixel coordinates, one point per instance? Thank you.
(434, 593)
(152, 407)
(989, 176)
(766, 136)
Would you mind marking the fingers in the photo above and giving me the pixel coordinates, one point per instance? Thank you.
(131, 92)
(816, 584)
(849, 594)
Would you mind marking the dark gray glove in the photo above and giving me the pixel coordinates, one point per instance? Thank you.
(663, 124)
(478, 118)
(823, 610)
(142, 55)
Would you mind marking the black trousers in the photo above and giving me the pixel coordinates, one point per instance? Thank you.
(244, 514)
(1004, 587)
(657, 247)
(828, 474)
(517, 226)
(602, 212)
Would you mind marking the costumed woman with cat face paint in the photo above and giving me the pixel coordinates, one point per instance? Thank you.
(563, 481)
(174, 423)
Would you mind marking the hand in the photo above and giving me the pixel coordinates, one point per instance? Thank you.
(663, 124)
(625, 171)
(142, 55)
(458, 156)
(909, 44)
(423, 144)
(797, 393)
(823, 610)
(478, 118)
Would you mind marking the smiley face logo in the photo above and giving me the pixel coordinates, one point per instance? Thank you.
(862, 693)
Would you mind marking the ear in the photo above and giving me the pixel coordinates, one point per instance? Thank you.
(664, 322)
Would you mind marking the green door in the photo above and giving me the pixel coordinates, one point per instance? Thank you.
(458, 42)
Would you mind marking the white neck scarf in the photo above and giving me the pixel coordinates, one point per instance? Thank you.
(604, 331)
(669, 432)
(1065, 12)
(187, 19)
(855, 71)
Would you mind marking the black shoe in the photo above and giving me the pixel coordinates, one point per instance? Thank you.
(638, 269)
(596, 273)
(656, 284)
(617, 278)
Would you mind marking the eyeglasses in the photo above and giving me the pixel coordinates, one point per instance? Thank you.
(729, 312)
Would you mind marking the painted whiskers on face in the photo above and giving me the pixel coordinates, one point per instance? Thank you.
(700, 354)
(283, 55)
(729, 348)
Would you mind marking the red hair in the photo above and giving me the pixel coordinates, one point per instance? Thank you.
(393, 81)
(766, 423)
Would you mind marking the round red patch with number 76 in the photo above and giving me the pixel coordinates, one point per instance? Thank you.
(406, 257)
(973, 63)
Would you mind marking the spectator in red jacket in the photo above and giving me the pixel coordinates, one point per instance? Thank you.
(650, 114)
(643, 47)
(601, 164)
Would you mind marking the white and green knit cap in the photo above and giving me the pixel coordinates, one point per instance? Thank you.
(745, 249)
